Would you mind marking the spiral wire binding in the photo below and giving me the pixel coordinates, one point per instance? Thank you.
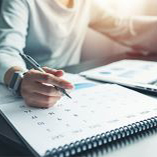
(101, 139)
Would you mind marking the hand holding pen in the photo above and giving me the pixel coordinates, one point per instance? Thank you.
(43, 87)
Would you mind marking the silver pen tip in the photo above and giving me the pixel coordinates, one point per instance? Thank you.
(68, 95)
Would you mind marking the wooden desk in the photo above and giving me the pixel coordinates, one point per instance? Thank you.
(140, 145)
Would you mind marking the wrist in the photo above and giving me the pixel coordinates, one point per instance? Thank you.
(15, 83)
(9, 74)
(13, 79)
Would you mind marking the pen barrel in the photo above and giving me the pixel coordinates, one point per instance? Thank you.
(36, 66)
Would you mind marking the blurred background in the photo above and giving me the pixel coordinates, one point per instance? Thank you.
(132, 7)
(98, 44)
(101, 46)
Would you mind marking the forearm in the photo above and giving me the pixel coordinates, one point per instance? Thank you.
(130, 31)
(9, 59)
(135, 32)
(13, 31)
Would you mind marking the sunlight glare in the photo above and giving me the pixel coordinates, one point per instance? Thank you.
(125, 7)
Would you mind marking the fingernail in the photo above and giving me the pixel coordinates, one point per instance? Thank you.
(59, 71)
(69, 85)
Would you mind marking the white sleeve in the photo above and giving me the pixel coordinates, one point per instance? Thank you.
(136, 32)
(13, 30)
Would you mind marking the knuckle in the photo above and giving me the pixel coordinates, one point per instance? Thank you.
(32, 102)
(52, 91)
(28, 74)
(57, 99)
(58, 81)
(47, 77)
(57, 93)
(31, 71)
(49, 90)
(45, 105)
(48, 100)
(51, 101)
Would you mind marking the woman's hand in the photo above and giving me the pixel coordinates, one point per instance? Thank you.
(38, 90)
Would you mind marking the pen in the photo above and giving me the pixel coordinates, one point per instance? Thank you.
(36, 66)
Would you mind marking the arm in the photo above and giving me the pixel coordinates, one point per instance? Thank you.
(13, 31)
(135, 32)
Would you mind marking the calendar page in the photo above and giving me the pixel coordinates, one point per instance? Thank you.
(125, 70)
(5, 95)
(93, 109)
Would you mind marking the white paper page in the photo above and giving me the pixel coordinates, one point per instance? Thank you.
(131, 70)
(91, 111)
(6, 96)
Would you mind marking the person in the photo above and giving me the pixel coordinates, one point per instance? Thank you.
(52, 32)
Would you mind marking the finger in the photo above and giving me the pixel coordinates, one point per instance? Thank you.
(37, 76)
(59, 82)
(55, 72)
(50, 79)
(39, 100)
(37, 87)
(32, 75)
(45, 89)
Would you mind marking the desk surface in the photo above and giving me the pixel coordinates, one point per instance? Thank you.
(139, 145)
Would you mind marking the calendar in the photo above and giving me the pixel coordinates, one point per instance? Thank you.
(93, 109)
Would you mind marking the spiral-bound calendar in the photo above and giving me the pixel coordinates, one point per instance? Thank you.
(96, 115)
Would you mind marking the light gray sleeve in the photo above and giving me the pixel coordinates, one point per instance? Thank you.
(13, 31)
